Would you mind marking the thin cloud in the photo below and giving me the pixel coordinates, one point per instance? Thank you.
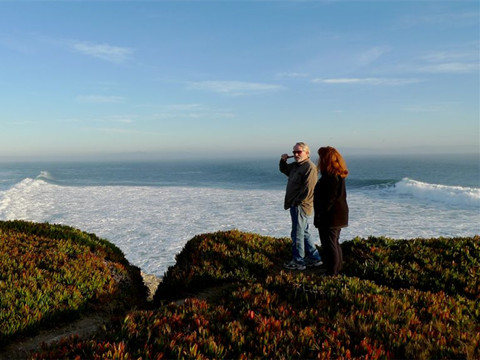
(119, 131)
(235, 87)
(292, 75)
(458, 19)
(438, 56)
(431, 108)
(191, 111)
(116, 119)
(371, 55)
(122, 119)
(449, 62)
(99, 99)
(114, 54)
(444, 62)
(450, 68)
(367, 81)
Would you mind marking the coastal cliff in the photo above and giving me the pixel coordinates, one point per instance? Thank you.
(228, 297)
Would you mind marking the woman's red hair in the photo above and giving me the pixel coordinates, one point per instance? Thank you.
(330, 161)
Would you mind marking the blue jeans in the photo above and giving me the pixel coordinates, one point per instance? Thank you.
(303, 247)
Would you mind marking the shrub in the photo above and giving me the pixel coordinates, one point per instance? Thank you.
(449, 265)
(372, 311)
(293, 316)
(213, 259)
(50, 273)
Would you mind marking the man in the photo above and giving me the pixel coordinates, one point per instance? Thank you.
(302, 178)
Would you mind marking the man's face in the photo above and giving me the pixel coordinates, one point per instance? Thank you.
(299, 154)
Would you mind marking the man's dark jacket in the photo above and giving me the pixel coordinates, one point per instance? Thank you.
(302, 178)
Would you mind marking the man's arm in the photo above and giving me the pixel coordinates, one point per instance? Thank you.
(283, 166)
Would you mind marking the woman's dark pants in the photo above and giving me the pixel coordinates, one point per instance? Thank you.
(332, 256)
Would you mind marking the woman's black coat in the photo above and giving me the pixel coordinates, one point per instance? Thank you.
(330, 202)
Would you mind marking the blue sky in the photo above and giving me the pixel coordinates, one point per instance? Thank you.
(174, 79)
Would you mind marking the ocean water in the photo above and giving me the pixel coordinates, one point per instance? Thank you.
(151, 209)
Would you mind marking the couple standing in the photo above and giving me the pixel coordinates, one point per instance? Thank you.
(327, 197)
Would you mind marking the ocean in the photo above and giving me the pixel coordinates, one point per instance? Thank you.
(151, 209)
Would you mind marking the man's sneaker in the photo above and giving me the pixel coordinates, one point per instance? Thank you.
(314, 263)
(293, 265)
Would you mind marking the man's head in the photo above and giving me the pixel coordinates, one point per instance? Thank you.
(301, 152)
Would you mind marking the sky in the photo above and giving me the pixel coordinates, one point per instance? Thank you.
(185, 79)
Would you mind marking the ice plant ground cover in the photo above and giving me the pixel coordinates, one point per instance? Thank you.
(52, 273)
(396, 299)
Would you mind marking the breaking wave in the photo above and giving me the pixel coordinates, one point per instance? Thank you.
(454, 195)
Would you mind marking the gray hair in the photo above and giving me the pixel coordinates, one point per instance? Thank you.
(304, 147)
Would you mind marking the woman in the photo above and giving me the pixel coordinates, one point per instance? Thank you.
(330, 206)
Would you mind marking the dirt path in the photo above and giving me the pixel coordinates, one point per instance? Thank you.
(84, 327)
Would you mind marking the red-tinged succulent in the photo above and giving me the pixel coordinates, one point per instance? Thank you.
(393, 301)
(52, 272)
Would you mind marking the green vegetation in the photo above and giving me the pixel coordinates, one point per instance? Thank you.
(51, 273)
(396, 299)
(448, 265)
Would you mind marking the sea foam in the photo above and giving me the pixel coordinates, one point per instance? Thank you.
(151, 224)
(454, 195)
